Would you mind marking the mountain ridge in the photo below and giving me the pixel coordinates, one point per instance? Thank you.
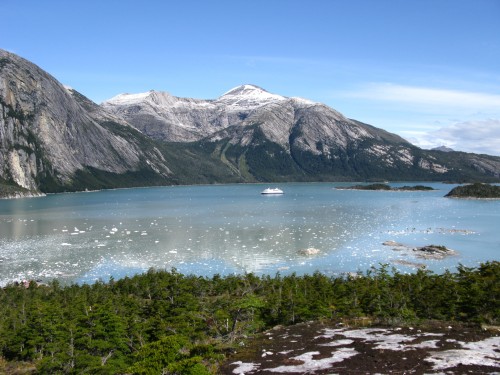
(53, 138)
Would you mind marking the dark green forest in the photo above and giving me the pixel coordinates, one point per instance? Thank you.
(166, 322)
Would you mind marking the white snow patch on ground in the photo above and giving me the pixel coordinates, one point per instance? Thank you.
(338, 343)
(335, 348)
(243, 368)
(481, 353)
(310, 364)
(384, 339)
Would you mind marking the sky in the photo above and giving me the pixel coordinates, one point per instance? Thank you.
(427, 70)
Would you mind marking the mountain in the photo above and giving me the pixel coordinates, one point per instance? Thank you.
(443, 149)
(54, 139)
(169, 118)
(262, 136)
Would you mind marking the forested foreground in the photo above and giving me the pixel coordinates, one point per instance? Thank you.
(165, 322)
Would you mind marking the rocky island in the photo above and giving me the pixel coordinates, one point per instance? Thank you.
(476, 190)
(379, 186)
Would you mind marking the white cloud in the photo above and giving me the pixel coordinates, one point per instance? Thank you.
(431, 97)
(431, 117)
(478, 136)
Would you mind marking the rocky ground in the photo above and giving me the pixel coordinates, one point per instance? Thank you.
(328, 348)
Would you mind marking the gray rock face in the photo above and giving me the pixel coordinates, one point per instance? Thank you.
(45, 131)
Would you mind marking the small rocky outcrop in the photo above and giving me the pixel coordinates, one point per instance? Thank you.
(434, 252)
(424, 252)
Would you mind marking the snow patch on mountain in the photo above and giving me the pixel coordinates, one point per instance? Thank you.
(128, 99)
(251, 91)
(301, 102)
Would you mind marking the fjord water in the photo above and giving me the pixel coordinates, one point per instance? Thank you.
(205, 230)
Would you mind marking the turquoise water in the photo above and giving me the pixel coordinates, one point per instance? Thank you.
(225, 229)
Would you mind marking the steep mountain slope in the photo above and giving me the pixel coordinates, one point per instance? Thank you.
(263, 136)
(50, 142)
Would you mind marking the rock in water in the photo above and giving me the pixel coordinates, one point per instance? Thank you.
(309, 251)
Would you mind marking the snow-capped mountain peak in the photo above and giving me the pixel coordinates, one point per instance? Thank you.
(247, 90)
(248, 96)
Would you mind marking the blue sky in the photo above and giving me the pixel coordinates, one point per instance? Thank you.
(428, 70)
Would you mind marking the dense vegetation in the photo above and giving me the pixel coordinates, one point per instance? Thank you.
(165, 322)
(266, 161)
(476, 190)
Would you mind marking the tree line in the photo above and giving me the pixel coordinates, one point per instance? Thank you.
(166, 322)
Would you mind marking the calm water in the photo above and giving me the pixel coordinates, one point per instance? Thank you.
(234, 229)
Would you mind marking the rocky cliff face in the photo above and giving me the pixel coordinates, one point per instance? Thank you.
(46, 135)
